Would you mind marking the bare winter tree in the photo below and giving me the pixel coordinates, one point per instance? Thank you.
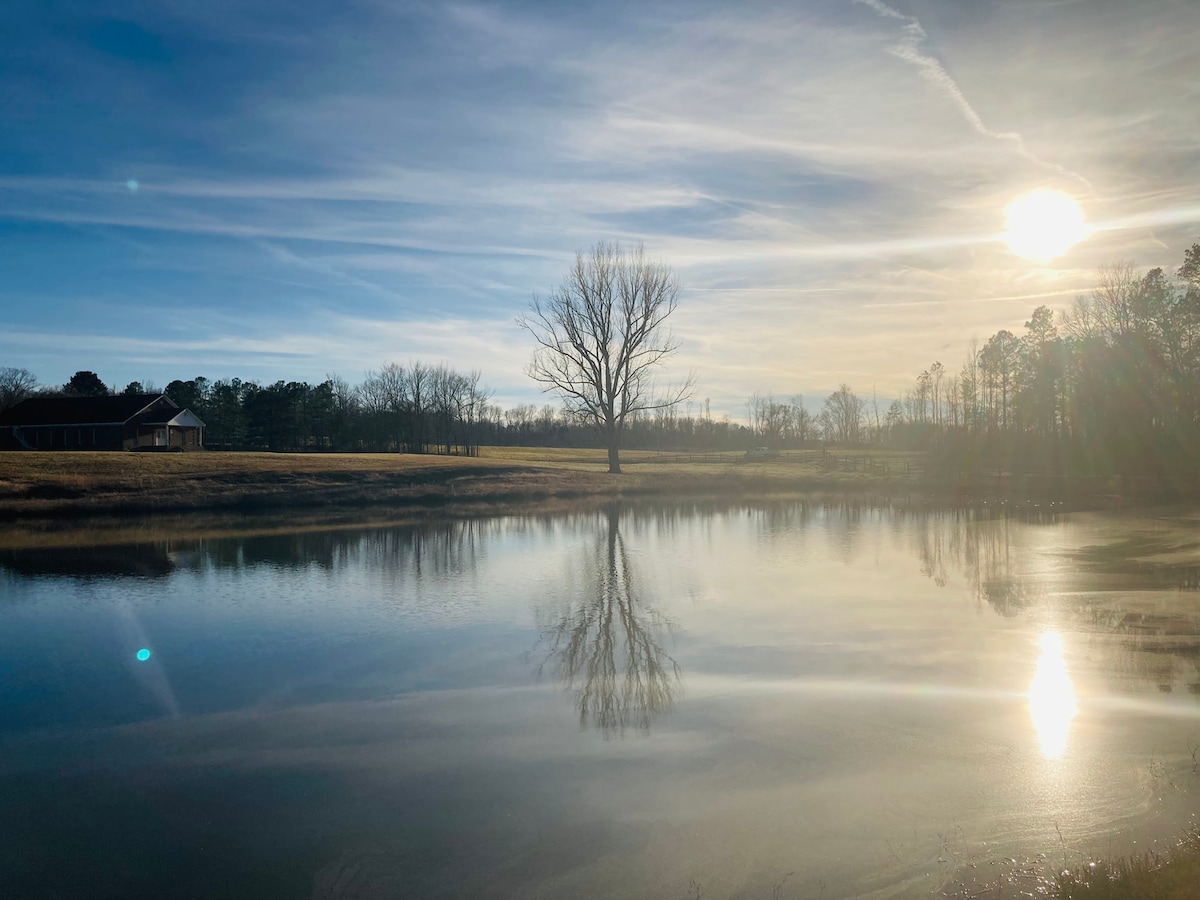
(845, 412)
(15, 386)
(602, 335)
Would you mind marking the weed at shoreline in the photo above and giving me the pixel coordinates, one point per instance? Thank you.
(1174, 875)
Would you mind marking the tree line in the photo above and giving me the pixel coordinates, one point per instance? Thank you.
(415, 408)
(844, 419)
(418, 408)
(1110, 386)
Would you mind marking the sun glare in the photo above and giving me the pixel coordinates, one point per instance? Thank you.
(1052, 698)
(1044, 224)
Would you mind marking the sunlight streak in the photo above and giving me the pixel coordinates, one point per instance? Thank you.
(1175, 215)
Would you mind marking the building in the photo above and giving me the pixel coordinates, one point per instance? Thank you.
(125, 422)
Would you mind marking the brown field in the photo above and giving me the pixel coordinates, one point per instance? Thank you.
(39, 492)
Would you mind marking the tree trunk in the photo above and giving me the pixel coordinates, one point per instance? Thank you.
(614, 460)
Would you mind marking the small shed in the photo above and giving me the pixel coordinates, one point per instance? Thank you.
(123, 422)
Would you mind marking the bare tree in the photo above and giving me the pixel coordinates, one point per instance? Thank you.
(601, 335)
(937, 370)
(895, 417)
(877, 426)
(802, 421)
(968, 378)
(845, 412)
(924, 392)
(997, 363)
(754, 412)
(471, 404)
(15, 386)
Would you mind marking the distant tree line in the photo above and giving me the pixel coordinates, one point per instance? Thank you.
(1111, 386)
(418, 408)
(844, 420)
(415, 408)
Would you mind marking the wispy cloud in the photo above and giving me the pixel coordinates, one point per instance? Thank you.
(396, 181)
(910, 50)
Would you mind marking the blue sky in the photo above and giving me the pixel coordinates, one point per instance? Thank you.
(269, 191)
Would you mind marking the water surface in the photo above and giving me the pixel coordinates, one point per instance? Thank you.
(796, 699)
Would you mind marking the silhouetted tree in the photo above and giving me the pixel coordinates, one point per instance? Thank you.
(225, 414)
(191, 394)
(85, 384)
(1040, 373)
(15, 386)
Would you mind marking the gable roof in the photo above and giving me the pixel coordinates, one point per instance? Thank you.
(160, 414)
(81, 410)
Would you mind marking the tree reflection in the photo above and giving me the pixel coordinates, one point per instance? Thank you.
(1115, 593)
(133, 561)
(982, 547)
(606, 644)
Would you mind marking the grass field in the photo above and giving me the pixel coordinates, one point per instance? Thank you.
(74, 484)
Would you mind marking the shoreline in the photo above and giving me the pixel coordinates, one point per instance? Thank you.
(65, 485)
(47, 493)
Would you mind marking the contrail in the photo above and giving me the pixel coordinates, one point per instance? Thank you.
(1071, 292)
(932, 70)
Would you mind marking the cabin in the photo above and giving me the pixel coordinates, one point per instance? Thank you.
(124, 422)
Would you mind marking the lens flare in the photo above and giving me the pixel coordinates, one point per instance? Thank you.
(143, 655)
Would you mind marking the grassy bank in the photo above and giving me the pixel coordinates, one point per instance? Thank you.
(1168, 874)
(72, 485)
(52, 487)
(1151, 876)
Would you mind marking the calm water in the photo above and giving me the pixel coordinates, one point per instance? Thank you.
(795, 700)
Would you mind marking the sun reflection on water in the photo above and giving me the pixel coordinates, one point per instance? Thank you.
(1052, 697)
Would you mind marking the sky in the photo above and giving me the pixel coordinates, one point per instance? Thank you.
(286, 190)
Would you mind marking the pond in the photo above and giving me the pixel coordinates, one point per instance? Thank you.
(792, 699)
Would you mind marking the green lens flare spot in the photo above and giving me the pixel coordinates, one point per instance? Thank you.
(143, 655)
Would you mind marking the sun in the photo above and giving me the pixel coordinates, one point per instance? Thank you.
(1044, 224)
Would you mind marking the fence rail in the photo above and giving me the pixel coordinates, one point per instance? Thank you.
(876, 465)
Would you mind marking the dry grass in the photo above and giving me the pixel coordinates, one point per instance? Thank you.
(74, 484)
(1151, 876)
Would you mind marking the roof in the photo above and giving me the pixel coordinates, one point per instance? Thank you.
(167, 415)
(80, 410)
